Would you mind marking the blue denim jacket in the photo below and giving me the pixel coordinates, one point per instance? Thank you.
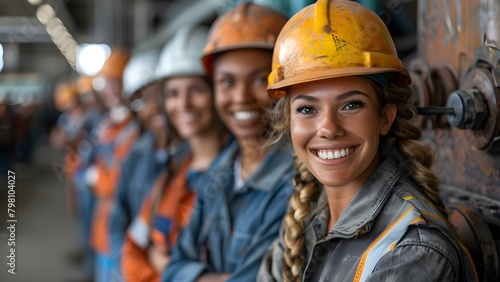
(230, 230)
(138, 174)
(427, 251)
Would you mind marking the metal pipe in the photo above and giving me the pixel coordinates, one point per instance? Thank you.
(435, 111)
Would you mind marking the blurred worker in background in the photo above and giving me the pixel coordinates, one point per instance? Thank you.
(66, 135)
(149, 154)
(116, 134)
(7, 135)
(189, 105)
(94, 113)
(90, 101)
(65, 98)
(240, 205)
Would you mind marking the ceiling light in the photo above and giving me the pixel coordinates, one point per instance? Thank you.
(1, 57)
(35, 2)
(91, 57)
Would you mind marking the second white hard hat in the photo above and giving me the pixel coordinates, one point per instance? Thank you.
(181, 56)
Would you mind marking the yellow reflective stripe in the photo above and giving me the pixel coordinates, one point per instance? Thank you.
(384, 243)
(427, 209)
(411, 197)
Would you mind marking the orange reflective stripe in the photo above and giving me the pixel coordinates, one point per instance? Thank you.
(135, 264)
(176, 204)
(99, 230)
(418, 220)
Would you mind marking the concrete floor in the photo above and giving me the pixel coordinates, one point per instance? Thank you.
(45, 232)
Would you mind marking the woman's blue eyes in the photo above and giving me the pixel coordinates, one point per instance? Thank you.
(354, 105)
(307, 110)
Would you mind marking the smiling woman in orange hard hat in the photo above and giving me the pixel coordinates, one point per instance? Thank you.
(241, 205)
(366, 206)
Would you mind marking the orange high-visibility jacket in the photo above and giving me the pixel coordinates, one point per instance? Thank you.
(164, 213)
(115, 142)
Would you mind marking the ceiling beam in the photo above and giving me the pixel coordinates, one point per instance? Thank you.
(22, 30)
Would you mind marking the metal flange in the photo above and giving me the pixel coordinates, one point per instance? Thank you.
(481, 81)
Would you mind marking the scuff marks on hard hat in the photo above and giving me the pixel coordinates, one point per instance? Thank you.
(339, 42)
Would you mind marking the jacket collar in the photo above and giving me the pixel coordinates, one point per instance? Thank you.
(360, 213)
(277, 163)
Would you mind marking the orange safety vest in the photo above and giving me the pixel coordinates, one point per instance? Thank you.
(159, 223)
(123, 136)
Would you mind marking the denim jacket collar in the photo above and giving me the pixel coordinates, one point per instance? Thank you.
(277, 162)
(357, 219)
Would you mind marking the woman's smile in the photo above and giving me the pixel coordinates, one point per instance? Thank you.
(335, 126)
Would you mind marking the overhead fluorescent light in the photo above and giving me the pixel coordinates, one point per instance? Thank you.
(1, 57)
(90, 58)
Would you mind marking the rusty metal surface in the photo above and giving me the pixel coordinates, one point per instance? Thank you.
(451, 35)
(459, 49)
(450, 31)
(481, 79)
(476, 236)
(466, 174)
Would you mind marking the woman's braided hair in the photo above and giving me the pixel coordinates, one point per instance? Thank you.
(307, 188)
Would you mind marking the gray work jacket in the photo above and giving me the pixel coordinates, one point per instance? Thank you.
(426, 250)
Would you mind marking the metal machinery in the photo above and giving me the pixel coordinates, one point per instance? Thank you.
(456, 80)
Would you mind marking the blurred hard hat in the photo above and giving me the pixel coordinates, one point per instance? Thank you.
(181, 56)
(333, 39)
(65, 96)
(246, 26)
(84, 84)
(139, 71)
(114, 66)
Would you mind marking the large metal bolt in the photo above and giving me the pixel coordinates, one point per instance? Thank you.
(469, 107)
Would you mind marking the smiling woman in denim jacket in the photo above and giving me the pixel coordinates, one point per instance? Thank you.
(189, 106)
(242, 202)
(367, 206)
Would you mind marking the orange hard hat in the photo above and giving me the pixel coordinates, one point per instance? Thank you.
(65, 96)
(84, 84)
(246, 26)
(114, 66)
(333, 39)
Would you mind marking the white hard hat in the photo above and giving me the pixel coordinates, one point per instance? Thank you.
(181, 56)
(139, 71)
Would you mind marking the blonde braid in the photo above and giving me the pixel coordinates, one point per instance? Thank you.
(418, 154)
(302, 204)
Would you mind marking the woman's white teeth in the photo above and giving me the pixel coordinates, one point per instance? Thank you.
(246, 115)
(187, 117)
(334, 154)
